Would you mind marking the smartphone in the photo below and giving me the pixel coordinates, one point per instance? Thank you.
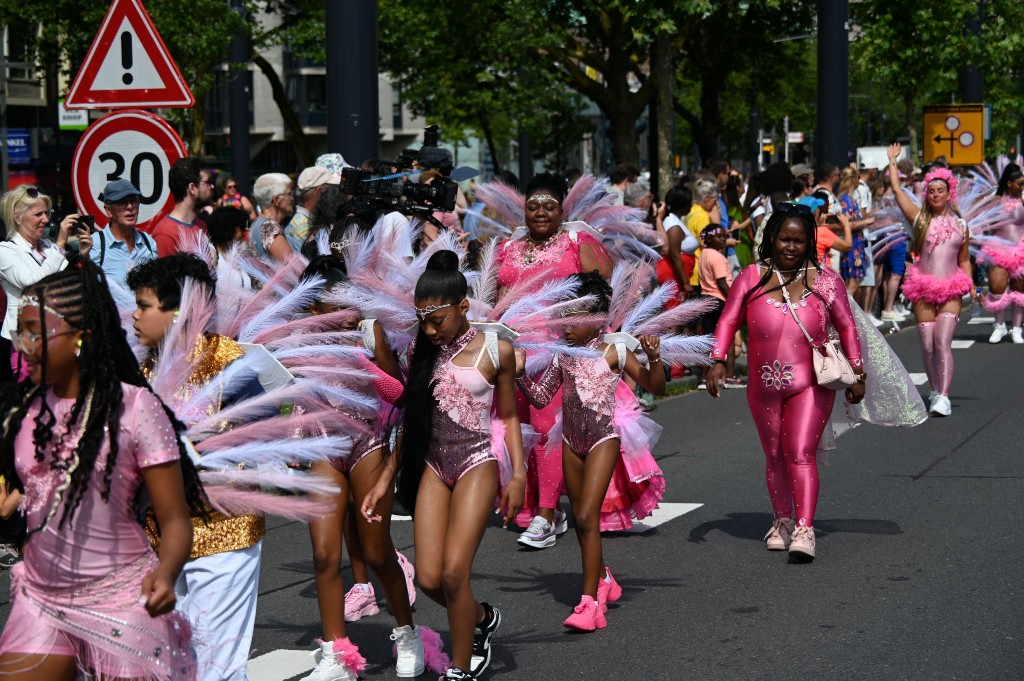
(85, 223)
(832, 219)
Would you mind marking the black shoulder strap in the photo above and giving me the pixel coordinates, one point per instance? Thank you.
(103, 248)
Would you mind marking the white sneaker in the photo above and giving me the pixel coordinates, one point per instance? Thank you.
(941, 406)
(328, 668)
(875, 320)
(409, 651)
(1016, 336)
(901, 310)
(999, 333)
(892, 316)
(561, 521)
(539, 535)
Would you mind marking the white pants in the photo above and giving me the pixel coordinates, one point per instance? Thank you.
(218, 594)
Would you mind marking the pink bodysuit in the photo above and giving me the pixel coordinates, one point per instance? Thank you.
(937, 277)
(77, 591)
(1007, 250)
(790, 409)
(588, 400)
(558, 260)
(461, 435)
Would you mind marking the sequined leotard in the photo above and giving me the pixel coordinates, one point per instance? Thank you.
(588, 398)
(461, 435)
(937, 277)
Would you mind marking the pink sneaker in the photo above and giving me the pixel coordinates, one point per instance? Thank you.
(778, 537)
(608, 591)
(586, 616)
(802, 544)
(360, 602)
(410, 572)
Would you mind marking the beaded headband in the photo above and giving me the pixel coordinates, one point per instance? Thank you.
(945, 176)
(423, 312)
(543, 197)
(33, 301)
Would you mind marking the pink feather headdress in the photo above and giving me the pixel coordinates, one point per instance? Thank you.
(942, 175)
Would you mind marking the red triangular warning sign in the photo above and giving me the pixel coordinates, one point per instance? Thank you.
(128, 66)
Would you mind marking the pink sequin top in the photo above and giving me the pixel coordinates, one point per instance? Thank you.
(940, 255)
(461, 435)
(779, 355)
(588, 397)
(558, 259)
(1013, 230)
(105, 535)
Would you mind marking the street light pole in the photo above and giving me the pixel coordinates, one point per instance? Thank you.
(353, 112)
(833, 81)
(4, 160)
(238, 107)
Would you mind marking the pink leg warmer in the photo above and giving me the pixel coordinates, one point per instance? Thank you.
(945, 326)
(926, 334)
(1018, 311)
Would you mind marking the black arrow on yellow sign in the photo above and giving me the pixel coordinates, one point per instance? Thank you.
(939, 139)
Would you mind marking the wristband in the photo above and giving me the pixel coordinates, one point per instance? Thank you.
(719, 361)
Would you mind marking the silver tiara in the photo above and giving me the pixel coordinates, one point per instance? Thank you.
(33, 301)
(423, 312)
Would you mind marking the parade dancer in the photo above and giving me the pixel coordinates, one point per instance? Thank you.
(1004, 254)
(449, 455)
(358, 473)
(789, 408)
(940, 278)
(82, 437)
(593, 437)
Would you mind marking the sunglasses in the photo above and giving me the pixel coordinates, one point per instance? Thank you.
(789, 208)
(33, 192)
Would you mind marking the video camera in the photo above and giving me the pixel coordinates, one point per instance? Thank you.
(385, 187)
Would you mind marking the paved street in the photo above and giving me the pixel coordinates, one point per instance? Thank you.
(917, 575)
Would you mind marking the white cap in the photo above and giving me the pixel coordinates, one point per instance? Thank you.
(314, 176)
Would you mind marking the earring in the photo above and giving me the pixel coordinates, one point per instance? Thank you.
(177, 313)
(78, 348)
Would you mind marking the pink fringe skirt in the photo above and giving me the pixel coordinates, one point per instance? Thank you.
(921, 287)
(102, 625)
(1010, 258)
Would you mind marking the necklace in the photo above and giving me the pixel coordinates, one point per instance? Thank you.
(532, 250)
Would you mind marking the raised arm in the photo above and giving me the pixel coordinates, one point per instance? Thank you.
(541, 391)
(910, 210)
(650, 379)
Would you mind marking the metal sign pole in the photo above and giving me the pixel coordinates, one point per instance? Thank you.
(4, 169)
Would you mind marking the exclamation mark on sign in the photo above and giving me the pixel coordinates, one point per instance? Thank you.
(126, 56)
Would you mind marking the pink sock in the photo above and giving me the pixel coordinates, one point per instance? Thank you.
(945, 326)
(926, 334)
(1018, 316)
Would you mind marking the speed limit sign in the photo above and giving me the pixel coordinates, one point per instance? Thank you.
(133, 145)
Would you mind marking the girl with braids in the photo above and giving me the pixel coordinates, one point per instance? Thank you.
(449, 454)
(592, 433)
(940, 276)
(790, 409)
(86, 440)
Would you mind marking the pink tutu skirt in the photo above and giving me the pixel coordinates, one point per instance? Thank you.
(1010, 258)
(637, 484)
(920, 287)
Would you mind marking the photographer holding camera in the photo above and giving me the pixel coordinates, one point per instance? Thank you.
(119, 246)
(826, 237)
(436, 164)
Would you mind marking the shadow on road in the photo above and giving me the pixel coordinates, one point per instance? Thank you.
(752, 527)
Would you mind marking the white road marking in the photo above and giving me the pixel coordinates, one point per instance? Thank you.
(663, 514)
(961, 344)
(919, 379)
(279, 665)
(982, 320)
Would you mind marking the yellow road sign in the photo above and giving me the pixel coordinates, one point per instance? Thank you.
(956, 131)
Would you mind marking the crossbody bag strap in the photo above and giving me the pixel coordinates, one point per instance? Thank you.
(103, 248)
(792, 310)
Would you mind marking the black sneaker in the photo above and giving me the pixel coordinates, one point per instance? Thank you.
(456, 674)
(482, 640)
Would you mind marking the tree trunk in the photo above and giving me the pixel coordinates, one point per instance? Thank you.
(291, 120)
(663, 80)
(623, 134)
(485, 127)
(710, 117)
(908, 119)
(198, 127)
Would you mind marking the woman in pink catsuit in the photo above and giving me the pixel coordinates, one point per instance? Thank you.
(940, 278)
(1005, 259)
(789, 408)
(546, 253)
(83, 438)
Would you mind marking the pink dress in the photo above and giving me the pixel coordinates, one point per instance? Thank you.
(937, 278)
(596, 407)
(558, 260)
(77, 591)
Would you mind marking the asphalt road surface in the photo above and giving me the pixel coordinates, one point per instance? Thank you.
(917, 575)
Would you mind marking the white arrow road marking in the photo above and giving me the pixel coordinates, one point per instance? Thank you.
(279, 665)
(663, 514)
(982, 320)
(961, 344)
(919, 379)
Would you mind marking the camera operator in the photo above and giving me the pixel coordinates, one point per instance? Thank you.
(436, 165)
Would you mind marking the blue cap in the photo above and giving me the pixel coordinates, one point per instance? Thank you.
(118, 190)
(811, 202)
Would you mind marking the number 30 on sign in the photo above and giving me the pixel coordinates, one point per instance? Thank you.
(133, 145)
